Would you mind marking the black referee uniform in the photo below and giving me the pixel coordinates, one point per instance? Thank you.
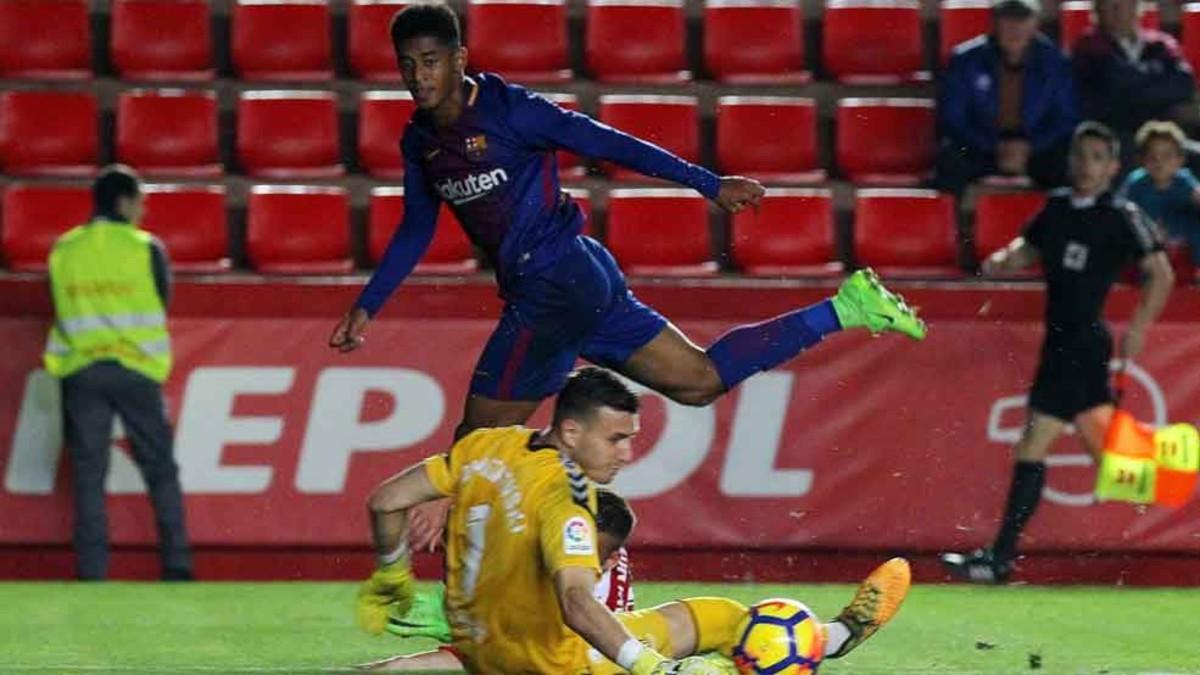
(1084, 245)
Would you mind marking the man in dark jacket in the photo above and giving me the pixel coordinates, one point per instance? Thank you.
(1127, 75)
(1006, 104)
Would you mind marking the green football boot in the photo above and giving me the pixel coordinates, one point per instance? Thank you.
(427, 618)
(863, 302)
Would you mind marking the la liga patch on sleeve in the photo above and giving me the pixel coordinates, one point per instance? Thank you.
(577, 537)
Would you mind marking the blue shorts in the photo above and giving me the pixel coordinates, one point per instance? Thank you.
(579, 307)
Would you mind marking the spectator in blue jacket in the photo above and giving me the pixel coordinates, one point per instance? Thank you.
(1127, 75)
(1006, 104)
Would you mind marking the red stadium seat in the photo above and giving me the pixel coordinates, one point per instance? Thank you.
(34, 216)
(874, 41)
(790, 234)
(48, 133)
(636, 41)
(305, 146)
(1075, 18)
(168, 132)
(298, 229)
(672, 122)
(772, 138)
(162, 40)
(190, 221)
(45, 39)
(1189, 26)
(370, 42)
(755, 41)
(886, 140)
(906, 232)
(962, 20)
(660, 231)
(382, 116)
(450, 252)
(569, 165)
(281, 40)
(583, 198)
(523, 41)
(1000, 217)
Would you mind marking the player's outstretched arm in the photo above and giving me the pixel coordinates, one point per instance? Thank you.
(391, 585)
(408, 244)
(1156, 268)
(1019, 254)
(597, 625)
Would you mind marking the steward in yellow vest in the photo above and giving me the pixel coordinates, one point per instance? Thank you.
(110, 348)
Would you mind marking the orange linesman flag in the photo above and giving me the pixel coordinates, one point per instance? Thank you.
(1143, 465)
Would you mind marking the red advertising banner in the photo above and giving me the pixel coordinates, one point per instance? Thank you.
(860, 443)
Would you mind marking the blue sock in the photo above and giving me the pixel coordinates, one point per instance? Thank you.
(756, 347)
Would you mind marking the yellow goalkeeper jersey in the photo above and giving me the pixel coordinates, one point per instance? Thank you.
(520, 514)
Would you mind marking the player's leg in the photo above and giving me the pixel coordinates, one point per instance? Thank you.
(676, 367)
(440, 660)
(1024, 494)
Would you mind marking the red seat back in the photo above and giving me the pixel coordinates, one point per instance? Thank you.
(281, 40)
(523, 41)
(382, 116)
(886, 139)
(636, 40)
(1000, 217)
(672, 122)
(34, 216)
(168, 131)
(161, 39)
(48, 132)
(962, 20)
(306, 145)
(873, 40)
(905, 228)
(652, 229)
(1189, 27)
(742, 147)
(190, 221)
(370, 50)
(792, 227)
(744, 40)
(45, 39)
(298, 228)
(449, 251)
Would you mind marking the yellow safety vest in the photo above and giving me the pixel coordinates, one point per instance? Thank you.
(105, 301)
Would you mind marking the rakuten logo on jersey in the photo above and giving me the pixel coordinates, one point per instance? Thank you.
(472, 187)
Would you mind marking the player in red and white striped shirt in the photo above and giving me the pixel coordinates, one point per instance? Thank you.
(614, 523)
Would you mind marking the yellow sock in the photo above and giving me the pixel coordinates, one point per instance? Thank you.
(717, 622)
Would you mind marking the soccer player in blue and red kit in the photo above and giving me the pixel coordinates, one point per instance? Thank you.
(487, 149)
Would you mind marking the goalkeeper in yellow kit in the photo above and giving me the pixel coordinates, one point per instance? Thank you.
(521, 553)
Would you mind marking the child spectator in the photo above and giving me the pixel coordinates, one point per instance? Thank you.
(1167, 191)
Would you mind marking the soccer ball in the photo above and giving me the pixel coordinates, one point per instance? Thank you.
(781, 637)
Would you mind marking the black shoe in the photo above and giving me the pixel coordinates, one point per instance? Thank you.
(178, 574)
(978, 567)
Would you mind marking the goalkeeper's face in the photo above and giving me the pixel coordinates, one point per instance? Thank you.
(602, 442)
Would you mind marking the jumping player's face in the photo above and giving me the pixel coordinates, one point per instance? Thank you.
(431, 70)
(1092, 166)
(602, 444)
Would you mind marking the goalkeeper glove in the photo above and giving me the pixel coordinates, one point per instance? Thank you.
(650, 662)
(426, 618)
(391, 584)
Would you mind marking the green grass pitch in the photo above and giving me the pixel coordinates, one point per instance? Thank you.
(123, 628)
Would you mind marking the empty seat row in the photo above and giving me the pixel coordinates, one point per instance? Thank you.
(660, 231)
(745, 41)
(175, 133)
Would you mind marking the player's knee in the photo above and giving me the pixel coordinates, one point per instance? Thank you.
(694, 397)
